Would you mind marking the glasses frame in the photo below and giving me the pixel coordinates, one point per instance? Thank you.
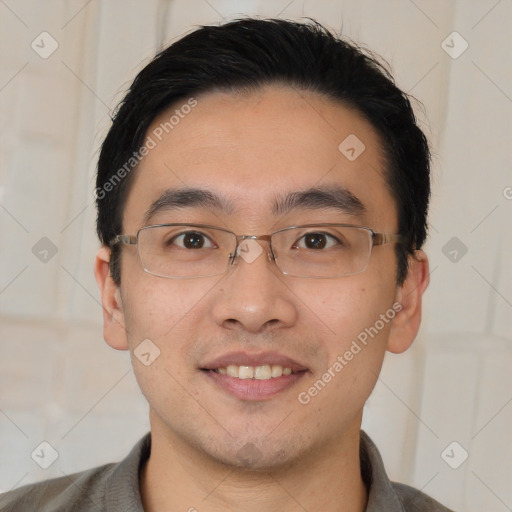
(376, 239)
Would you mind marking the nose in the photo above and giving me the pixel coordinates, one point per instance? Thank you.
(253, 295)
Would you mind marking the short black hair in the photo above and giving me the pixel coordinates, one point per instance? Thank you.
(248, 53)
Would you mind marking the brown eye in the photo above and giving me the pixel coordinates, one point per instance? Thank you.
(191, 240)
(316, 241)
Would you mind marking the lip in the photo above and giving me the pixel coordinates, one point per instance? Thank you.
(253, 389)
(241, 358)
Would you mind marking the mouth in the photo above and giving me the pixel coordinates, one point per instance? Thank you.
(253, 376)
(262, 372)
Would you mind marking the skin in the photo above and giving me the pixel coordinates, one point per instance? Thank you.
(248, 148)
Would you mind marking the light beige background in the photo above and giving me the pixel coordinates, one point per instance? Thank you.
(60, 383)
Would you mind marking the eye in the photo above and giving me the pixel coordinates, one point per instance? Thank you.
(191, 240)
(316, 241)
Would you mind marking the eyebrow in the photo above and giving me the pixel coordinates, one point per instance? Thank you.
(175, 199)
(336, 197)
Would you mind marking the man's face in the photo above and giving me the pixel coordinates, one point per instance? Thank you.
(250, 150)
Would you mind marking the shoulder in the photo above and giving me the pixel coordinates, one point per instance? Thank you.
(82, 491)
(416, 501)
(111, 487)
(387, 495)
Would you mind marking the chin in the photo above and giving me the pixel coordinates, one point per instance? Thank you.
(250, 458)
(257, 455)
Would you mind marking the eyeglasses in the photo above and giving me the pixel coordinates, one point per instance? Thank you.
(183, 251)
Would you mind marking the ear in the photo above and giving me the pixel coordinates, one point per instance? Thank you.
(406, 322)
(114, 330)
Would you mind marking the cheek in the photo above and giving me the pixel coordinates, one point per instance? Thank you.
(356, 350)
(159, 308)
(169, 313)
(358, 318)
(160, 316)
(349, 306)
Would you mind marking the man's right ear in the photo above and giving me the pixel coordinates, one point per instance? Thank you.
(114, 330)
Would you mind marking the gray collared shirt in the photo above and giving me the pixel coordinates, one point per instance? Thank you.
(115, 488)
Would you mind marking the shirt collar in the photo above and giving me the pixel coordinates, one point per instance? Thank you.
(381, 494)
(123, 492)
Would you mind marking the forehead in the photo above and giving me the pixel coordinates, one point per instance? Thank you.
(253, 147)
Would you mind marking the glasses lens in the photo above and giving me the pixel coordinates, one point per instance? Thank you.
(322, 251)
(185, 250)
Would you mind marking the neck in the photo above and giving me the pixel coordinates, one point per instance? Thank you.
(179, 477)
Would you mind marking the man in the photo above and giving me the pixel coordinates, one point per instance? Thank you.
(262, 198)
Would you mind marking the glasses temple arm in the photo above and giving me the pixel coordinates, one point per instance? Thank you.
(384, 238)
(124, 239)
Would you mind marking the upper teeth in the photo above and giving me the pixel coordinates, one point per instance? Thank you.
(263, 372)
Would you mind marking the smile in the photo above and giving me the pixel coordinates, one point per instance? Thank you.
(262, 372)
(253, 376)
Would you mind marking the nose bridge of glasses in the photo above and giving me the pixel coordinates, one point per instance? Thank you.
(265, 238)
(241, 249)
